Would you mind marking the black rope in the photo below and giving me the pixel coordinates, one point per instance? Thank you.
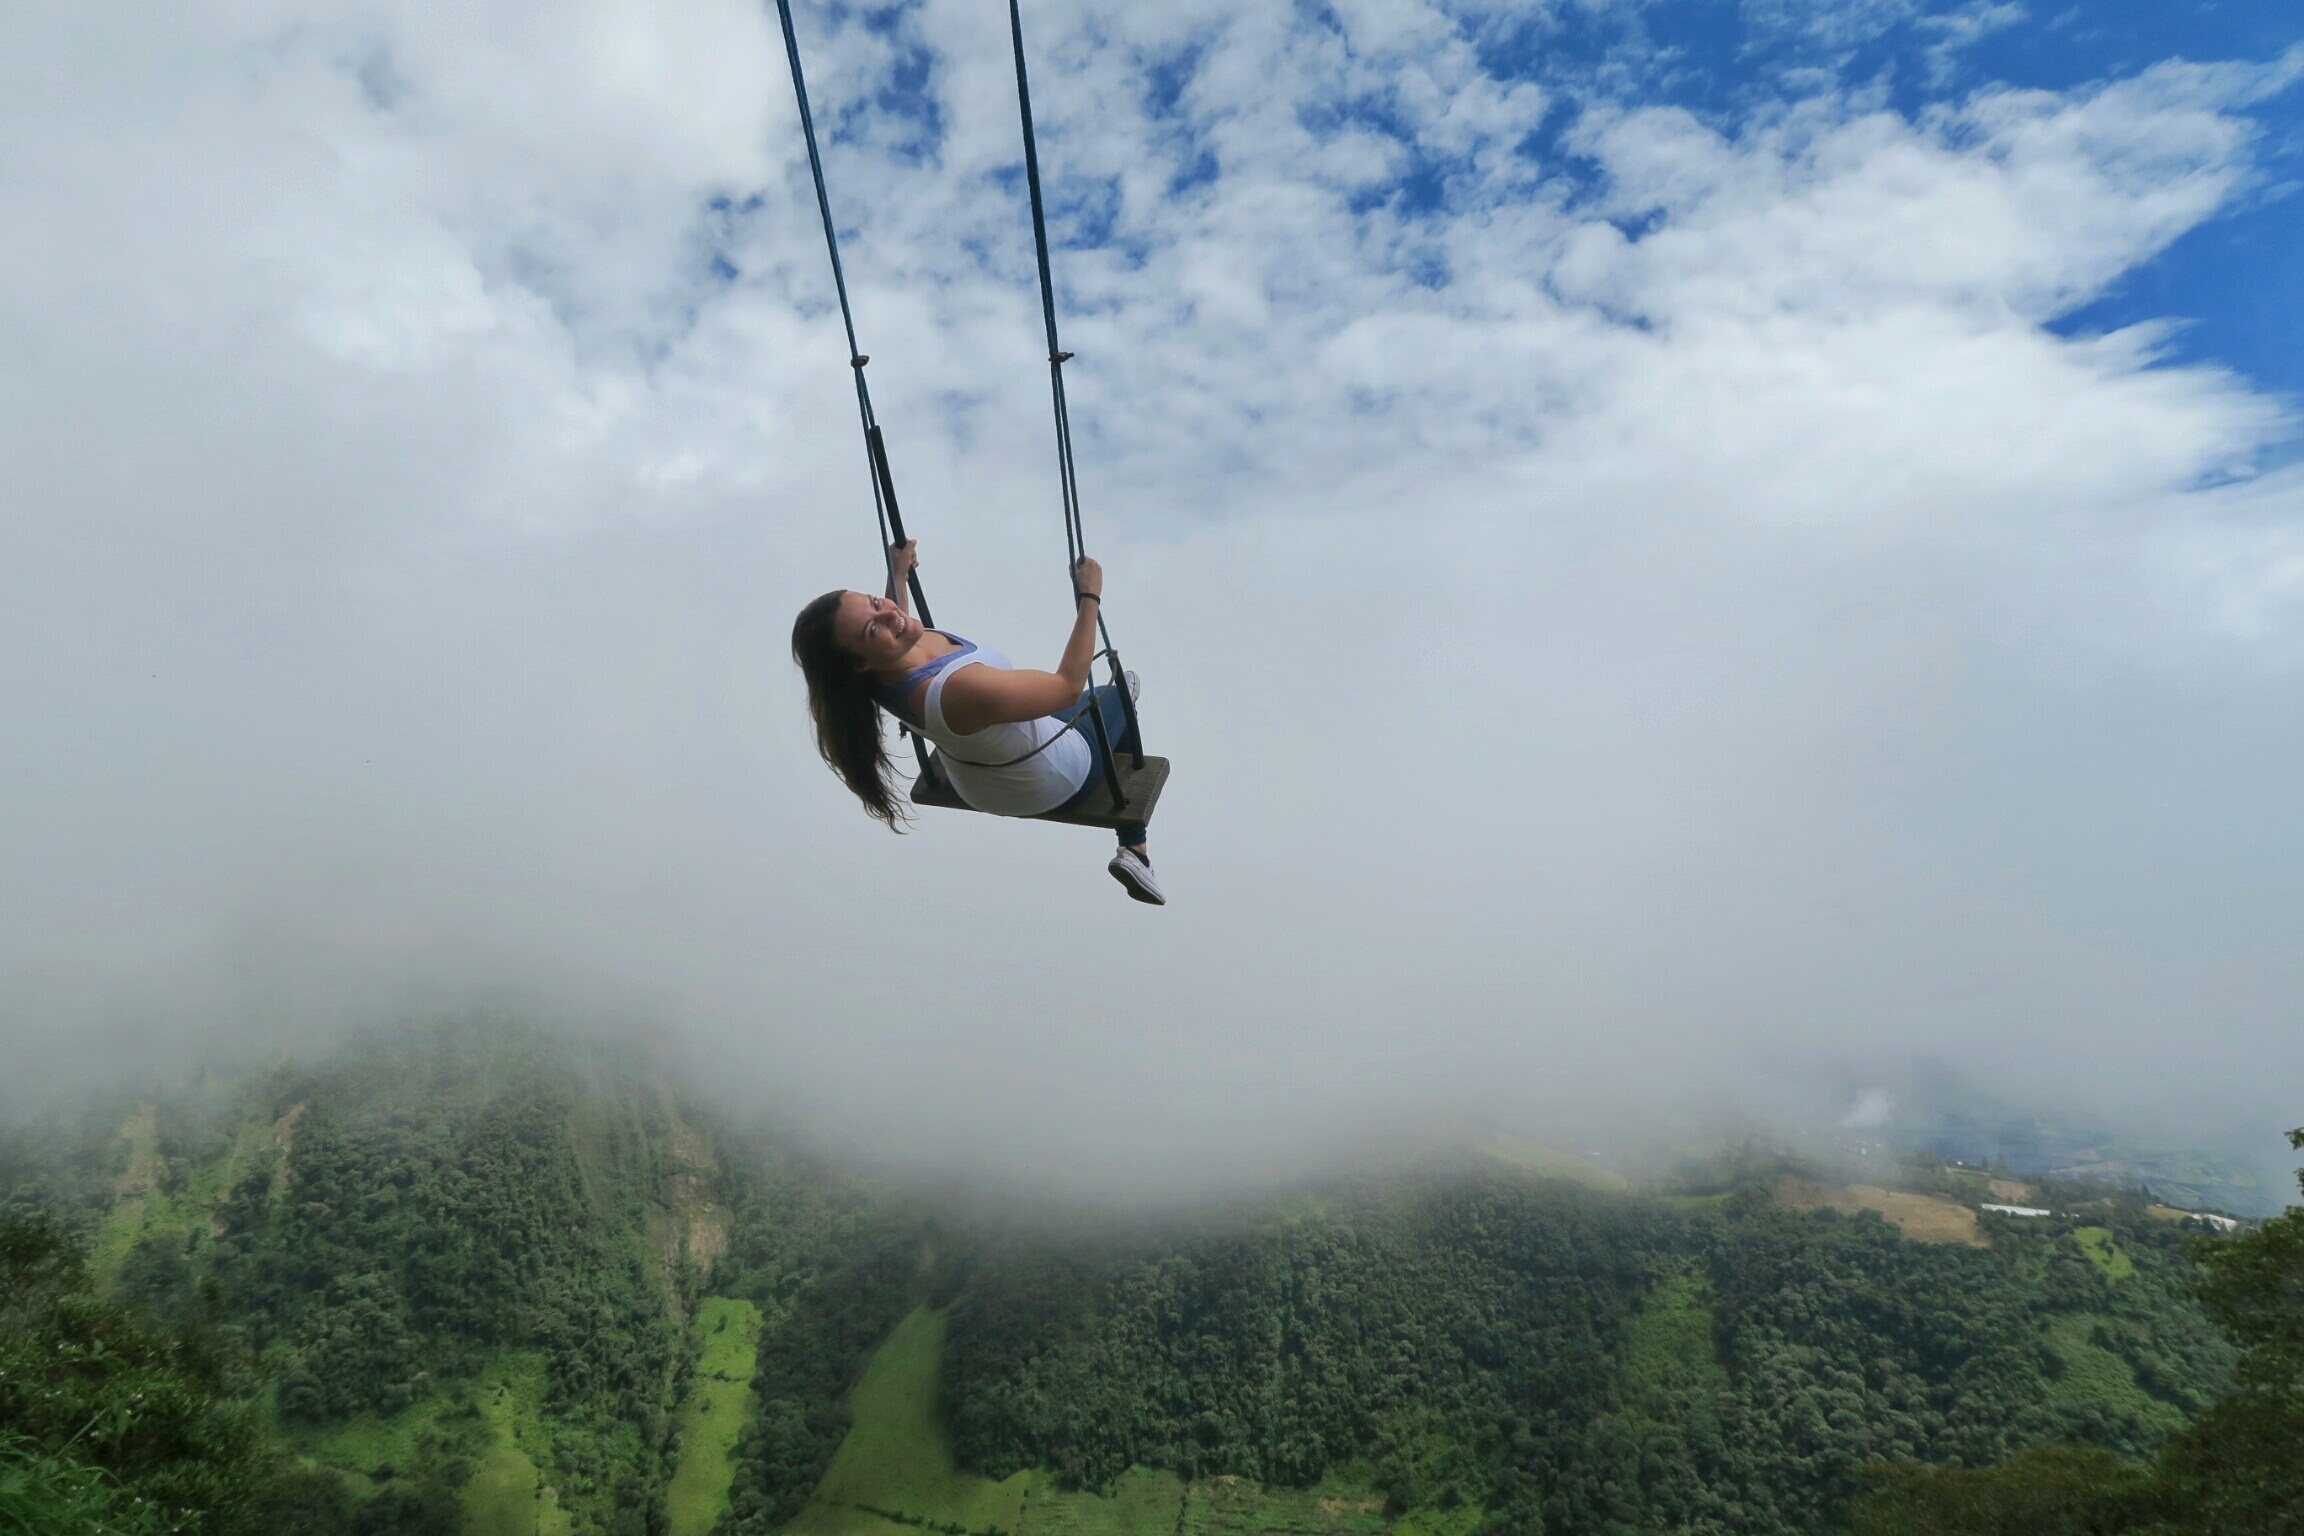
(885, 509)
(1075, 541)
(889, 516)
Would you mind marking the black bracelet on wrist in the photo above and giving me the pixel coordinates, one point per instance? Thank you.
(1086, 597)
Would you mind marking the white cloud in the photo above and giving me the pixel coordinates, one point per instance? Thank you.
(1582, 651)
(1870, 1111)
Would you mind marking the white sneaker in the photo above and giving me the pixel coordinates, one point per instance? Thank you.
(1135, 876)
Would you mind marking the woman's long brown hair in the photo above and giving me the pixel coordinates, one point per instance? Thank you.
(845, 704)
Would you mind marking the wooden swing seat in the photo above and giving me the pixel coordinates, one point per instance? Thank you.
(1142, 786)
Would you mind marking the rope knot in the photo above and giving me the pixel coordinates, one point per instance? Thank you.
(859, 360)
(1059, 357)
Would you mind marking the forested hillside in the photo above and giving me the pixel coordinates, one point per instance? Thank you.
(1588, 1361)
(462, 1268)
(476, 1282)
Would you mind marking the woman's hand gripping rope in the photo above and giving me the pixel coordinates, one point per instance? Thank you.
(903, 560)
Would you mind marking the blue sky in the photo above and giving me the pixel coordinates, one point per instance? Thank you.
(2221, 292)
(2234, 285)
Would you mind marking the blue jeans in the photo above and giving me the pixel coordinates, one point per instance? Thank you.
(1114, 710)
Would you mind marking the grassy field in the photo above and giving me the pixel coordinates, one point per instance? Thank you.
(1669, 1354)
(719, 1400)
(359, 1448)
(893, 1476)
(896, 1457)
(133, 1192)
(1552, 1163)
(1923, 1218)
(1227, 1506)
(504, 1496)
(142, 1205)
(1440, 1522)
(1142, 1503)
(2094, 1375)
(2105, 1254)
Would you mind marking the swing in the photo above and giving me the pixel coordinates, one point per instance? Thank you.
(1131, 782)
(1108, 804)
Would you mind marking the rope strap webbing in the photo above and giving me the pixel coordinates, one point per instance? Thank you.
(889, 517)
(1075, 541)
(885, 511)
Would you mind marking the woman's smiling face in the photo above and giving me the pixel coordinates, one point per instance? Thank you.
(874, 630)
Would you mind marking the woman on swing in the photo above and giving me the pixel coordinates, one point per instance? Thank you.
(1010, 745)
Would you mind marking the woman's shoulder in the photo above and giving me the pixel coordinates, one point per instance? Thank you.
(948, 666)
(972, 651)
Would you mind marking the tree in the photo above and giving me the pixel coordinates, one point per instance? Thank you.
(111, 1425)
(2049, 1490)
(2237, 1470)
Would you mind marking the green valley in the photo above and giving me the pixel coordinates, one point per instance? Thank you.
(477, 1282)
(894, 1472)
(720, 1399)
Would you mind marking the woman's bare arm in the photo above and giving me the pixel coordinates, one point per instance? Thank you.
(901, 559)
(980, 696)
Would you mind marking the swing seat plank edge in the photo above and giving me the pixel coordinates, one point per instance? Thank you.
(1142, 786)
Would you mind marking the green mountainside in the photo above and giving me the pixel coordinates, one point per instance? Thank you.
(475, 1282)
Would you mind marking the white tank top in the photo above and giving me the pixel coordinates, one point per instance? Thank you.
(983, 764)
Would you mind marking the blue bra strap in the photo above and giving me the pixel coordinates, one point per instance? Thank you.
(896, 697)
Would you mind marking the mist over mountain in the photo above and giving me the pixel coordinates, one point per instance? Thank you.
(479, 1278)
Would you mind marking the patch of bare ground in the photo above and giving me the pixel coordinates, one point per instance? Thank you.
(2010, 1190)
(688, 1224)
(1922, 1218)
(702, 1230)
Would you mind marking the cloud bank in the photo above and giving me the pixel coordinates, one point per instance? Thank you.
(1647, 603)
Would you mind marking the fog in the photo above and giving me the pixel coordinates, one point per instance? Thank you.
(1670, 625)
